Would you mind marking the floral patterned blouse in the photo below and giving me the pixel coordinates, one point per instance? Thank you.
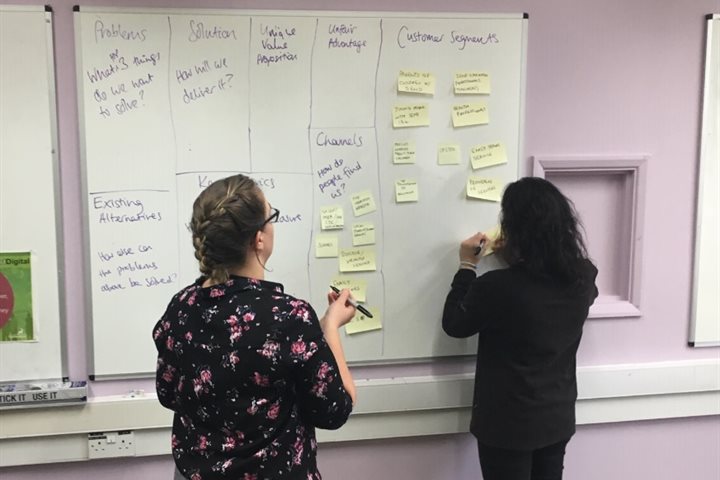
(247, 371)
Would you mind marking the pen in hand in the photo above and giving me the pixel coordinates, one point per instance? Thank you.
(352, 302)
(479, 248)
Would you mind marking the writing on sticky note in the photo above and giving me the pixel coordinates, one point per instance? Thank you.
(331, 217)
(492, 236)
(326, 246)
(410, 81)
(363, 203)
(417, 115)
(469, 83)
(467, 114)
(360, 323)
(487, 155)
(357, 287)
(363, 234)
(357, 260)
(448, 154)
(406, 190)
(404, 152)
(484, 188)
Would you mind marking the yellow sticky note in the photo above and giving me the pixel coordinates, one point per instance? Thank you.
(448, 154)
(467, 114)
(331, 217)
(326, 246)
(363, 203)
(487, 155)
(357, 287)
(406, 191)
(492, 235)
(404, 152)
(485, 188)
(472, 83)
(410, 81)
(363, 234)
(417, 115)
(361, 323)
(357, 260)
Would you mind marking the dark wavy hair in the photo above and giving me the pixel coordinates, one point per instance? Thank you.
(540, 230)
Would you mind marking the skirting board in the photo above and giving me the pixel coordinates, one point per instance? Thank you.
(387, 408)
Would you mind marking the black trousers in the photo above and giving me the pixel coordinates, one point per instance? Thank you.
(541, 464)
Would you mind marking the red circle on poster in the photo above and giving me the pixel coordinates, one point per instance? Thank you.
(7, 300)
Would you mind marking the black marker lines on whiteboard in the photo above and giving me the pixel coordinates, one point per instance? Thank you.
(380, 194)
(130, 190)
(169, 89)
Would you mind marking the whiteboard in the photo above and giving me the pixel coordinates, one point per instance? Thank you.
(705, 330)
(171, 100)
(29, 191)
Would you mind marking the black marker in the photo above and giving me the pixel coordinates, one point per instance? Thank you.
(352, 302)
(479, 248)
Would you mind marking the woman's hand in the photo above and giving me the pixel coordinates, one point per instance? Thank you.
(339, 311)
(470, 245)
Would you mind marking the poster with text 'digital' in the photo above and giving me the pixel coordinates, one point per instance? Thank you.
(16, 313)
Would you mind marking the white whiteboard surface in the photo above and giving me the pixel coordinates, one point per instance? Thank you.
(212, 93)
(706, 285)
(29, 192)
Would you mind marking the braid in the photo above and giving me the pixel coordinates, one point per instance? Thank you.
(223, 221)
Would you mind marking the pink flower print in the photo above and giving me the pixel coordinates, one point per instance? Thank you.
(297, 457)
(319, 389)
(235, 333)
(196, 476)
(188, 336)
(202, 443)
(169, 343)
(274, 411)
(228, 444)
(248, 317)
(232, 320)
(169, 374)
(174, 441)
(261, 380)
(323, 370)
(191, 298)
(249, 476)
(197, 386)
(231, 359)
(270, 349)
(216, 292)
(298, 348)
(166, 325)
(206, 376)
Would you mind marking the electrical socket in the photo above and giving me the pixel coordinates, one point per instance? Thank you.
(111, 444)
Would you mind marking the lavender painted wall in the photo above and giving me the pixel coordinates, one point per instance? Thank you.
(603, 77)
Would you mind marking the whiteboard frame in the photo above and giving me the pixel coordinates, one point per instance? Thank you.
(705, 181)
(57, 185)
(522, 167)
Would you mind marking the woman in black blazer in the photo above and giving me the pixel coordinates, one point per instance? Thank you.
(529, 319)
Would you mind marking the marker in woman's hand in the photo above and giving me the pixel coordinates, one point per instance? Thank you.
(352, 302)
(479, 248)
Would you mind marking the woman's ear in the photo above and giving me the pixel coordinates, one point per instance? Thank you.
(259, 241)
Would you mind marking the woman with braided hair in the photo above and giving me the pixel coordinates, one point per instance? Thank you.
(249, 370)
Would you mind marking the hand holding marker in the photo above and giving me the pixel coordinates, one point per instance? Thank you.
(352, 302)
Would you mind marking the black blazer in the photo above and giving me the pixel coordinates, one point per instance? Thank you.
(529, 331)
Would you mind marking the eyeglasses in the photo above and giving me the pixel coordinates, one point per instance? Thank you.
(274, 216)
